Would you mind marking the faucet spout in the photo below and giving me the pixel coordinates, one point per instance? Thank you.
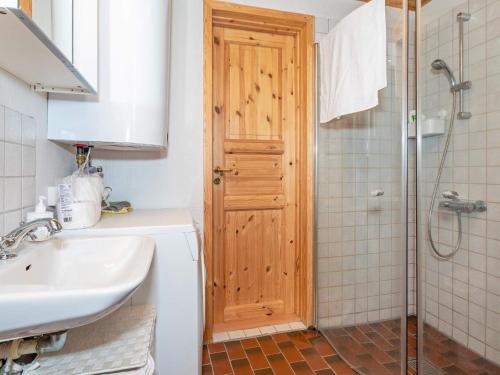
(12, 240)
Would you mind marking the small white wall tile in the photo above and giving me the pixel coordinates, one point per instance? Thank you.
(29, 192)
(12, 220)
(28, 161)
(13, 126)
(2, 194)
(2, 122)
(2, 158)
(13, 160)
(13, 194)
(28, 131)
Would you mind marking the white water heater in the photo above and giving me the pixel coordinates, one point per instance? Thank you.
(130, 110)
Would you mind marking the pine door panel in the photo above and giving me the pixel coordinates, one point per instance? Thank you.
(255, 131)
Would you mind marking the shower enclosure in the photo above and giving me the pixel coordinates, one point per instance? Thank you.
(408, 217)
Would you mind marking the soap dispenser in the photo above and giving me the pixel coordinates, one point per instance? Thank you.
(40, 211)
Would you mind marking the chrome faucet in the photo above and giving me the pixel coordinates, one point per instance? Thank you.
(11, 241)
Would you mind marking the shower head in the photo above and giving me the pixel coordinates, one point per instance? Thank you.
(441, 65)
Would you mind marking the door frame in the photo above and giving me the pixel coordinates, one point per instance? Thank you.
(302, 27)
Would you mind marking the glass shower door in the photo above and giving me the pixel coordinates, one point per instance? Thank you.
(459, 186)
(362, 223)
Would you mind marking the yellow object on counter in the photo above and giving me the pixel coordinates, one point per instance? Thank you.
(119, 207)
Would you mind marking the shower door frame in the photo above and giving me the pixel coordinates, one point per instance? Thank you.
(404, 185)
(418, 238)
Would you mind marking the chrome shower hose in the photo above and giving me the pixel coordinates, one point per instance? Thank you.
(436, 189)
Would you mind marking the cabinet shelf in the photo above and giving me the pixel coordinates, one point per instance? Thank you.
(27, 53)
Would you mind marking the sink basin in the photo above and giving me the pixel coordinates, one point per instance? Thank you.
(65, 283)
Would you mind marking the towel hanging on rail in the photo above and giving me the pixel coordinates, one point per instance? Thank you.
(353, 62)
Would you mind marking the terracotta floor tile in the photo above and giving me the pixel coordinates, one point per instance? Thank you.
(381, 356)
(325, 372)
(265, 371)
(348, 348)
(216, 347)
(358, 335)
(206, 370)
(394, 368)
(310, 333)
(322, 346)
(220, 363)
(279, 337)
(372, 366)
(205, 358)
(234, 350)
(380, 341)
(339, 366)
(249, 343)
(299, 340)
(454, 370)
(279, 364)
(365, 328)
(242, 367)
(257, 358)
(395, 354)
(268, 345)
(315, 361)
(302, 368)
(290, 351)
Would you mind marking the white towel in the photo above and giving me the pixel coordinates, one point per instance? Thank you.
(353, 62)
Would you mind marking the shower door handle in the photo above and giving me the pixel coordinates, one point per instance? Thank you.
(377, 193)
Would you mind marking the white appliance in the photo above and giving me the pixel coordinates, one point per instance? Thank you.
(175, 283)
(131, 109)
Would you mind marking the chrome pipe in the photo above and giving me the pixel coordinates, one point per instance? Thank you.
(462, 18)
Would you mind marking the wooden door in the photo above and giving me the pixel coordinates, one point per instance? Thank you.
(255, 189)
(258, 204)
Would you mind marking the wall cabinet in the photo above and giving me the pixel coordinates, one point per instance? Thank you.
(51, 44)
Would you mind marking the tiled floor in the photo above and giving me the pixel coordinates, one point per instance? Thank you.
(369, 348)
(299, 352)
(372, 349)
(255, 332)
(375, 349)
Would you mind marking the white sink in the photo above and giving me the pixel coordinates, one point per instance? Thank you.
(65, 283)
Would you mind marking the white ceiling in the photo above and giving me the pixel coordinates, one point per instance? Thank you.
(323, 8)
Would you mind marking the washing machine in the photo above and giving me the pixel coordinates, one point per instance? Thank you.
(175, 283)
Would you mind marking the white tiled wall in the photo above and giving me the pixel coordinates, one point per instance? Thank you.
(28, 162)
(359, 235)
(18, 166)
(462, 296)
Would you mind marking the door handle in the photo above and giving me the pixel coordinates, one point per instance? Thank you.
(220, 171)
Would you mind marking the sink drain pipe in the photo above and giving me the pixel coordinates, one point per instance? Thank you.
(11, 350)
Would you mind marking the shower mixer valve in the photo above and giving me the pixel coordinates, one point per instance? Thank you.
(459, 205)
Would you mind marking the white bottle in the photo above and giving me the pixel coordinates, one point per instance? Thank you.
(40, 211)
